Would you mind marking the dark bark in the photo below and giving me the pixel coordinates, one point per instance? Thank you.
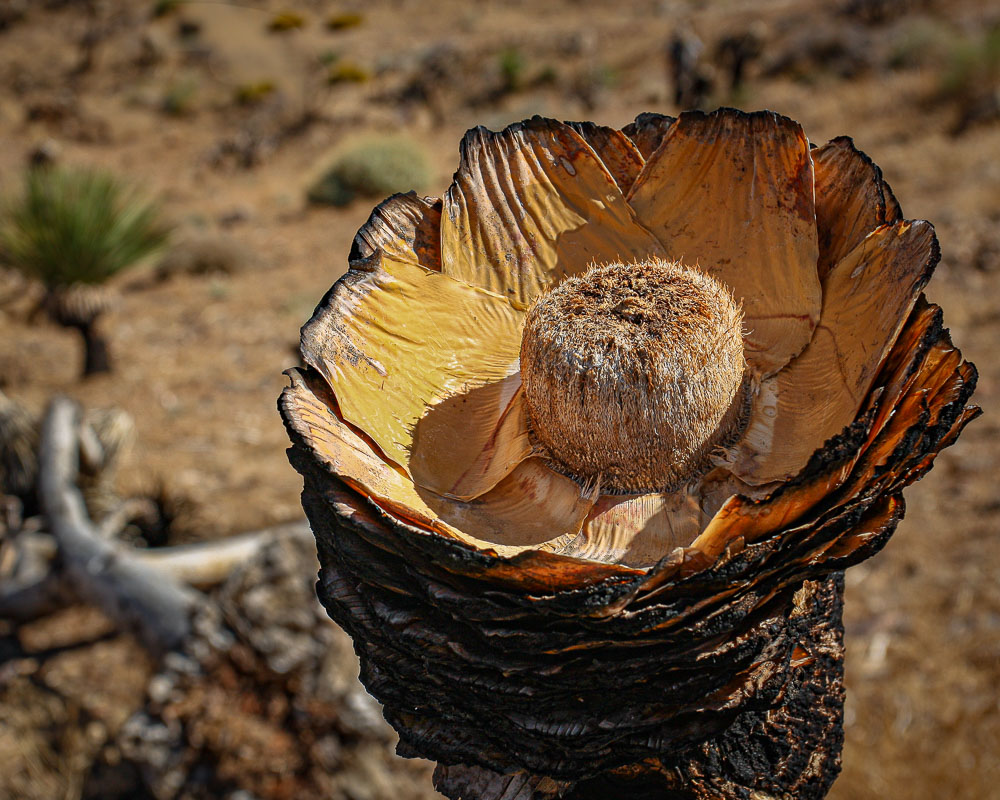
(97, 358)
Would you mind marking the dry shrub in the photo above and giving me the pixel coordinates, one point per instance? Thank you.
(375, 168)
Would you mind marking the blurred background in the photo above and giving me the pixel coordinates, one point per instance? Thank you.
(227, 152)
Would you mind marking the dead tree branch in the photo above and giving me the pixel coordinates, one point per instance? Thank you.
(133, 594)
(206, 564)
(33, 586)
(146, 591)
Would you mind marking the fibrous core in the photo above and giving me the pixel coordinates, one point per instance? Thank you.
(634, 373)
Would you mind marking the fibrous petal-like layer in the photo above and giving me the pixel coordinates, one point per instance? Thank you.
(532, 205)
(619, 154)
(867, 297)
(648, 130)
(531, 505)
(850, 200)
(309, 411)
(485, 431)
(404, 227)
(916, 407)
(732, 194)
(397, 342)
(637, 530)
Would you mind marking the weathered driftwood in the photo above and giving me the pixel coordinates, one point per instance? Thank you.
(133, 594)
(34, 586)
(142, 590)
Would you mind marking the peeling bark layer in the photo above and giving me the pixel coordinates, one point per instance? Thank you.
(791, 748)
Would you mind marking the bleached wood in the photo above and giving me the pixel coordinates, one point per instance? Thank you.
(133, 594)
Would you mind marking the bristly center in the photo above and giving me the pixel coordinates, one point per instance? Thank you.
(634, 374)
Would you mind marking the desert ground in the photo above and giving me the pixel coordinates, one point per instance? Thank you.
(228, 119)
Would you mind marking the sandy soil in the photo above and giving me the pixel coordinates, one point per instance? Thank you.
(200, 357)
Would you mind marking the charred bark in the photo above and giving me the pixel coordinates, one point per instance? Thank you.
(745, 702)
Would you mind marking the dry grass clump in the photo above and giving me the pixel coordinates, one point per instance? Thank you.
(162, 8)
(971, 79)
(344, 21)
(965, 67)
(974, 63)
(286, 21)
(251, 94)
(347, 72)
(205, 254)
(180, 97)
(512, 65)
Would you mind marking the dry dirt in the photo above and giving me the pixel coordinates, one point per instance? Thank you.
(200, 356)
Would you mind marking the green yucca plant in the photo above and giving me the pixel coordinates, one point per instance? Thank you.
(73, 229)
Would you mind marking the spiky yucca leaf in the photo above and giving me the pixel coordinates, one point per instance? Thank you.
(78, 226)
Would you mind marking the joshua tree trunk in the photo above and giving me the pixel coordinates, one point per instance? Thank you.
(81, 307)
(97, 358)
